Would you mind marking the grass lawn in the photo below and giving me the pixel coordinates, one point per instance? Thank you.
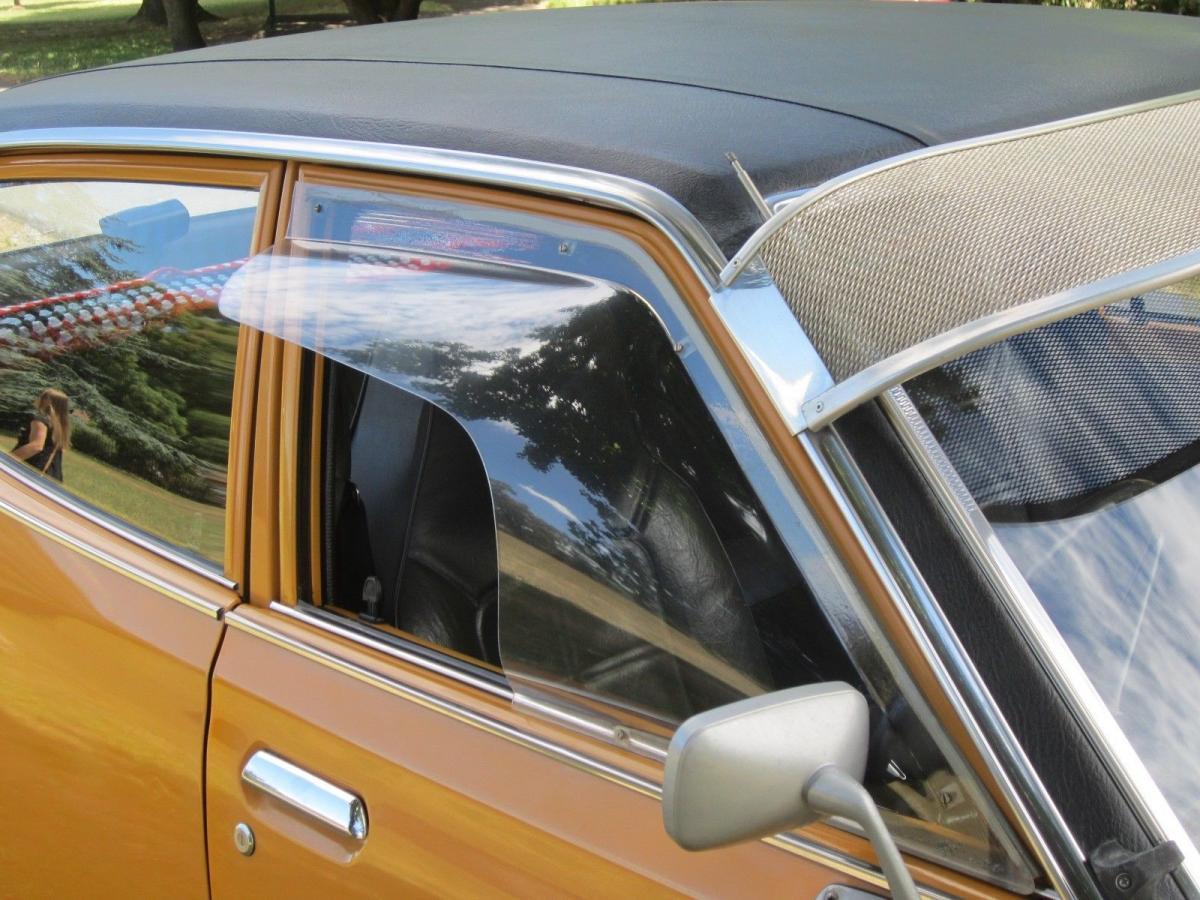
(45, 37)
(185, 523)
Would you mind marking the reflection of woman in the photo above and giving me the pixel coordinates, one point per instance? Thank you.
(47, 434)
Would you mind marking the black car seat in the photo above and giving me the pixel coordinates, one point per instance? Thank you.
(415, 515)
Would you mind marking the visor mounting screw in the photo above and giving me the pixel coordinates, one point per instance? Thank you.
(243, 839)
(679, 347)
(1123, 881)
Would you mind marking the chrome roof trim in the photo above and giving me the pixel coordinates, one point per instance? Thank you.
(612, 191)
(875, 380)
(116, 526)
(200, 604)
(1039, 819)
(1040, 632)
(792, 843)
(786, 212)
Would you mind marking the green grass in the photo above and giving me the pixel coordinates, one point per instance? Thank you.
(46, 37)
(185, 523)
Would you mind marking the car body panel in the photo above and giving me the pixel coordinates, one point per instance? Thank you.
(105, 679)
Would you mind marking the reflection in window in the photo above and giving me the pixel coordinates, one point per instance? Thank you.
(1079, 441)
(108, 299)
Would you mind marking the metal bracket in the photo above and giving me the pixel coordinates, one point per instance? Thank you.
(1133, 876)
(842, 892)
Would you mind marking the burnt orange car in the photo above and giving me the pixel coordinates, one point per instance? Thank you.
(716, 449)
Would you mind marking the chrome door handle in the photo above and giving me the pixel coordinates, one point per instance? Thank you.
(313, 796)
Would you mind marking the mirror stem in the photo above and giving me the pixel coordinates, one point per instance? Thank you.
(835, 793)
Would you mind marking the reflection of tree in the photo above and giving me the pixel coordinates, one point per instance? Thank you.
(570, 398)
(59, 268)
(152, 401)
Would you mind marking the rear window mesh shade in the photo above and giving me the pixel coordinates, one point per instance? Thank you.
(886, 261)
(1070, 416)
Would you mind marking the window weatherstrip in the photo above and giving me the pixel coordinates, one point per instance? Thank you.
(1042, 635)
(118, 527)
(399, 648)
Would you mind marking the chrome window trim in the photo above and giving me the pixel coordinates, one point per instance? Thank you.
(795, 844)
(116, 525)
(806, 540)
(1058, 852)
(920, 358)
(1043, 637)
(754, 243)
(611, 191)
(192, 601)
(397, 648)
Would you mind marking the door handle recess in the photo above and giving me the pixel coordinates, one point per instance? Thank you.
(303, 791)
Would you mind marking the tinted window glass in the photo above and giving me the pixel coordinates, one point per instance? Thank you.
(116, 369)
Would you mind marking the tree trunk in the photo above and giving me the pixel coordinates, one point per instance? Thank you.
(151, 11)
(405, 10)
(183, 24)
(363, 12)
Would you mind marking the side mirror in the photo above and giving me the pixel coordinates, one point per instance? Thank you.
(774, 762)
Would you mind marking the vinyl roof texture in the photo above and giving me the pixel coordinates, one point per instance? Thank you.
(800, 91)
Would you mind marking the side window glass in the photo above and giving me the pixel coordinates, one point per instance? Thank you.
(116, 369)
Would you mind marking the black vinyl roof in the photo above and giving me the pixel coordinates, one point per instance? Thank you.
(800, 91)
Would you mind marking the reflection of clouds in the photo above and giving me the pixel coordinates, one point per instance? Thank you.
(558, 507)
(339, 305)
(1126, 609)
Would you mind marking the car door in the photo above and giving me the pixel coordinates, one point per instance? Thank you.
(120, 550)
(521, 534)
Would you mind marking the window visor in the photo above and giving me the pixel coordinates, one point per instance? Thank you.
(530, 362)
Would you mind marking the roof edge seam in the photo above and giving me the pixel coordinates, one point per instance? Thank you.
(922, 140)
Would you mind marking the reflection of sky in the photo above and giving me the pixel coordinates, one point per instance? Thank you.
(553, 496)
(335, 305)
(38, 212)
(1122, 586)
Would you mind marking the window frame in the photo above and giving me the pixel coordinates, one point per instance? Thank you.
(262, 176)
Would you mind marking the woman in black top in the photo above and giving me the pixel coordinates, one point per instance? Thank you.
(47, 434)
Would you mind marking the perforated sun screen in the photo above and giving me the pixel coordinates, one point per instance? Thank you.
(876, 264)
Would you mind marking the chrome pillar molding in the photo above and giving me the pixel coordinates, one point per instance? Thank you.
(773, 343)
(612, 191)
(875, 380)
(315, 797)
(1043, 826)
(1039, 631)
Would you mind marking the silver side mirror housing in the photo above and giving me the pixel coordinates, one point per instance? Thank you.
(775, 762)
